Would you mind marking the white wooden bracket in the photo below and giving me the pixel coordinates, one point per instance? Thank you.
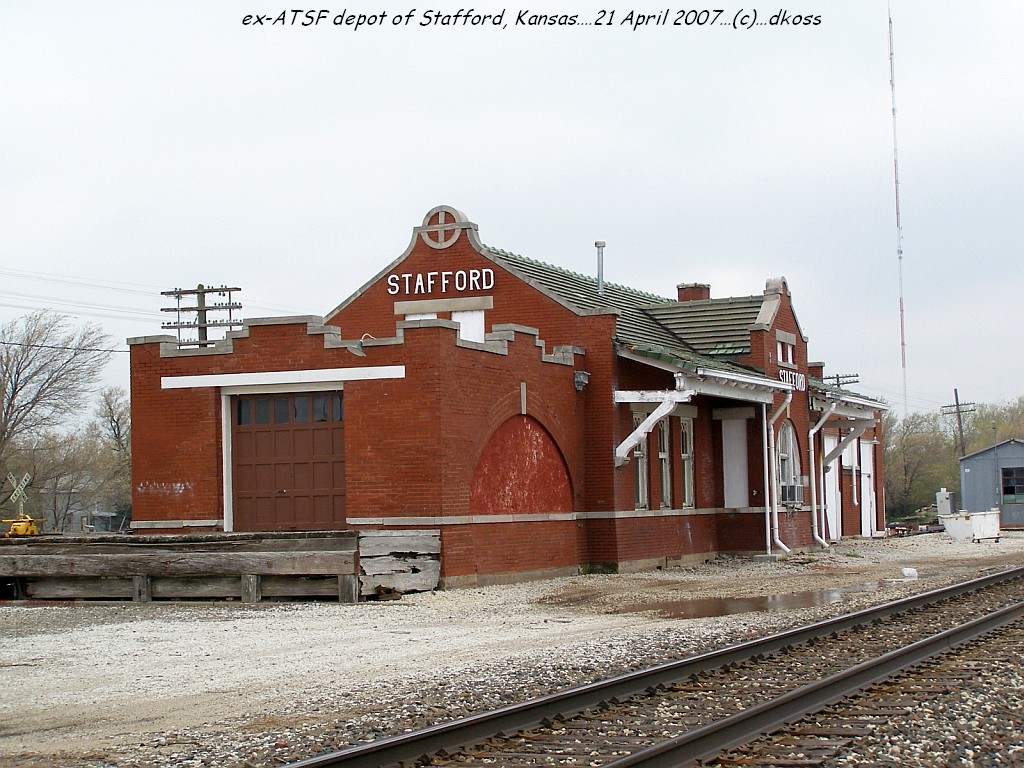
(668, 400)
(859, 426)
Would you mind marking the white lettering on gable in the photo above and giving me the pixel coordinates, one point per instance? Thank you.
(795, 378)
(458, 281)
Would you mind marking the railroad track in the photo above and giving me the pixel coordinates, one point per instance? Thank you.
(677, 713)
(891, 718)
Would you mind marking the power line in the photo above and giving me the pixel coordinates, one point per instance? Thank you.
(85, 304)
(82, 313)
(59, 347)
(149, 290)
(79, 281)
(959, 408)
(842, 379)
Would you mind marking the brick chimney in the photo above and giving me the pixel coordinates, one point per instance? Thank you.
(694, 291)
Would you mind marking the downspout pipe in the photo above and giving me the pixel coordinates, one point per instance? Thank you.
(774, 472)
(767, 494)
(813, 472)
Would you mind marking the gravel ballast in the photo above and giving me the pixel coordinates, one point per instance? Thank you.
(175, 684)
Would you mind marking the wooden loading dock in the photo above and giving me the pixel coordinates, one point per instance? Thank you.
(249, 567)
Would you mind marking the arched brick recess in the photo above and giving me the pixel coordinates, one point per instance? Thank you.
(521, 471)
(509, 406)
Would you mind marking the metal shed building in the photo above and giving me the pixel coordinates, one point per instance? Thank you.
(994, 477)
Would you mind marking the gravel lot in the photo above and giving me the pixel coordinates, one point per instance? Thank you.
(175, 684)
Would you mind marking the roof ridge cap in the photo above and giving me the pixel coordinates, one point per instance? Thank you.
(707, 302)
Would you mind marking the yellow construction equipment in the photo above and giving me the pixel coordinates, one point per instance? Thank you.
(23, 525)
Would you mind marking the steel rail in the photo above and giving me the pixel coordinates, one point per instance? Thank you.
(727, 733)
(515, 717)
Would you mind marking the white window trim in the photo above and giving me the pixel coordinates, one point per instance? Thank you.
(642, 479)
(686, 455)
(789, 465)
(665, 462)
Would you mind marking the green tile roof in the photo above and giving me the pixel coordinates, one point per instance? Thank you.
(577, 288)
(707, 333)
(716, 327)
(580, 291)
(637, 326)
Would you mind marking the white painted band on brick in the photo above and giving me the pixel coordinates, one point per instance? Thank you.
(463, 519)
(550, 517)
(632, 513)
(276, 378)
(140, 524)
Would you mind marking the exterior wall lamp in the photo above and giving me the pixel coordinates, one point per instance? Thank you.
(580, 379)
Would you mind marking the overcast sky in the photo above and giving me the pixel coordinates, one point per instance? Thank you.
(146, 146)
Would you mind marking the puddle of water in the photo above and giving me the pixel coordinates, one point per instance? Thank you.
(725, 606)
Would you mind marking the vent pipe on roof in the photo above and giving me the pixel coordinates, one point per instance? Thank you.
(600, 266)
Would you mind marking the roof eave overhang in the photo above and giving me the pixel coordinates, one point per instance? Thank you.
(847, 405)
(706, 380)
(736, 386)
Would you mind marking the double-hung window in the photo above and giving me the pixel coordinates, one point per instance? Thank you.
(641, 489)
(686, 454)
(790, 485)
(665, 462)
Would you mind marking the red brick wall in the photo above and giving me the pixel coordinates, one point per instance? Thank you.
(497, 548)
(628, 539)
(443, 441)
(851, 511)
(176, 465)
(591, 464)
(520, 471)
(741, 532)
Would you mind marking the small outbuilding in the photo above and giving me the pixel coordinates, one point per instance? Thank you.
(993, 478)
(543, 421)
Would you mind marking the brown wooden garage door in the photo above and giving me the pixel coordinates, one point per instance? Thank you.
(288, 461)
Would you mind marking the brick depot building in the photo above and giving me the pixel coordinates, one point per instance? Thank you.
(542, 422)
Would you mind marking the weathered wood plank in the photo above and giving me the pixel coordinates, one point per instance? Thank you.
(58, 545)
(424, 581)
(251, 588)
(372, 566)
(348, 589)
(197, 589)
(183, 538)
(299, 586)
(75, 589)
(375, 543)
(178, 564)
(142, 589)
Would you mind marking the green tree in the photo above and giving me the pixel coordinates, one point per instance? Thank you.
(920, 458)
(922, 451)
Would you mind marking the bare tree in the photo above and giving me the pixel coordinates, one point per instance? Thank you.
(67, 474)
(47, 369)
(82, 470)
(113, 425)
(113, 414)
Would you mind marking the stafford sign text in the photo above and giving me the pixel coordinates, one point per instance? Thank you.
(797, 379)
(456, 281)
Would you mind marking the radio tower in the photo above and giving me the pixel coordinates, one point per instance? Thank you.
(899, 226)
